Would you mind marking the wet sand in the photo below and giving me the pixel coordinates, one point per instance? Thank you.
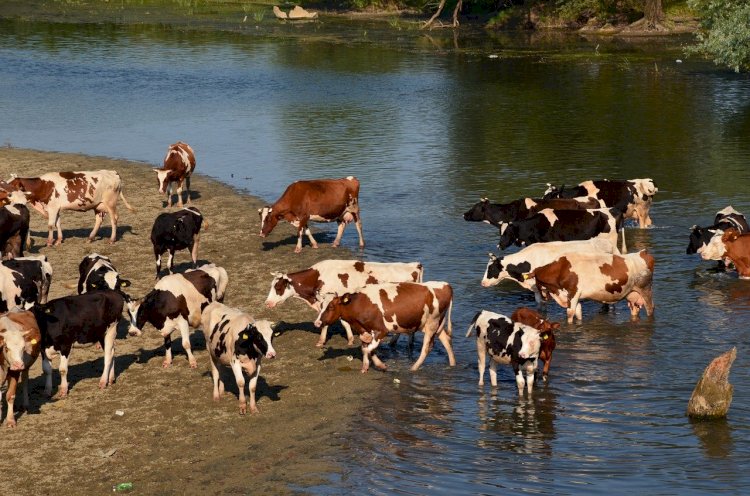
(173, 438)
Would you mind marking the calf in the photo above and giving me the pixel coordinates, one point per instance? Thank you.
(176, 231)
(497, 213)
(632, 197)
(375, 310)
(601, 277)
(507, 342)
(97, 272)
(14, 226)
(179, 164)
(337, 277)
(20, 344)
(24, 281)
(236, 340)
(563, 225)
(320, 200)
(546, 330)
(700, 237)
(86, 318)
(515, 265)
(81, 191)
(734, 246)
(176, 302)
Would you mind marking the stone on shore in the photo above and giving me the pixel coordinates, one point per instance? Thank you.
(713, 393)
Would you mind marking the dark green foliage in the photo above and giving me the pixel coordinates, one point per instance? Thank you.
(725, 33)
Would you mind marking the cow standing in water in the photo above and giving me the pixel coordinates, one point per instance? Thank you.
(319, 200)
(179, 164)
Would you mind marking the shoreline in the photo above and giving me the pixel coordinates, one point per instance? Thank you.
(173, 438)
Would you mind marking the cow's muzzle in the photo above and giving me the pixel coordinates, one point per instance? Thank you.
(270, 304)
(15, 366)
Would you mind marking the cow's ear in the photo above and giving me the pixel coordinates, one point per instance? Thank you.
(124, 283)
(554, 326)
(156, 170)
(695, 226)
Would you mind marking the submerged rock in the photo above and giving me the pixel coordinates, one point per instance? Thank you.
(713, 393)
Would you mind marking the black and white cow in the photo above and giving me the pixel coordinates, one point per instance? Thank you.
(507, 342)
(176, 302)
(515, 265)
(86, 318)
(337, 277)
(24, 281)
(174, 231)
(563, 225)
(14, 226)
(236, 340)
(97, 272)
(632, 197)
(727, 218)
(497, 213)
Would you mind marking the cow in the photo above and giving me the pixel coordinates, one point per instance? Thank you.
(337, 277)
(24, 281)
(515, 265)
(563, 225)
(14, 226)
(733, 246)
(81, 191)
(603, 277)
(20, 345)
(174, 231)
(700, 237)
(97, 272)
(176, 302)
(507, 342)
(632, 197)
(236, 340)
(87, 318)
(319, 200)
(497, 213)
(546, 330)
(179, 164)
(406, 307)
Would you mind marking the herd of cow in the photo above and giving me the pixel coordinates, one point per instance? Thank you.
(570, 253)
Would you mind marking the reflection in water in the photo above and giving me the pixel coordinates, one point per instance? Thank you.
(715, 437)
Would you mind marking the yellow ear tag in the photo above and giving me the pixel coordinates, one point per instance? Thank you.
(346, 299)
(526, 276)
(545, 337)
(244, 336)
(33, 341)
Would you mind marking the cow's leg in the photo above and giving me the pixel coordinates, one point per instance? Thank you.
(158, 263)
(349, 335)
(63, 368)
(10, 397)
(358, 225)
(98, 218)
(365, 358)
(240, 378)
(113, 218)
(429, 340)
(446, 340)
(216, 378)
(481, 359)
(185, 333)
(108, 375)
(253, 384)
(194, 249)
(519, 378)
(493, 372)
(300, 231)
(167, 349)
(179, 195)
(545, 371)
(530, 370)
(339, 233)
(170, 263)
(169, 194)
(25, 380)
(53, 220)
(579, 311)
(187, 183)
(47, 369)
(323, 336)
(313, 243)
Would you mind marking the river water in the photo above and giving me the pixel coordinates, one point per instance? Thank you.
(429, 125)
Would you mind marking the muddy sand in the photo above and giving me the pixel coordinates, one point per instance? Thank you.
(173, 438)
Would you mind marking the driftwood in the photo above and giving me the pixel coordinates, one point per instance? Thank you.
(713, 393)
(295, 14)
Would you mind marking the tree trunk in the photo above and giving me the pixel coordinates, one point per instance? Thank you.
(456, 11)
(653, 13)
(435, 15)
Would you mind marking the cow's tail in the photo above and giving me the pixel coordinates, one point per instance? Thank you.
(449, 324)
(122, 197)
(473, 324)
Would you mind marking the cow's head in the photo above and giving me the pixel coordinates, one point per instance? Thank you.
(281, 289)
(498, 269)
(645, 188)
(553, 191)
(477, 213)
(508, 235)
(164, 177)
(330, 309)
(134, 309)
(14, 344)
(531, 342)
(255, 340)
(268, 220)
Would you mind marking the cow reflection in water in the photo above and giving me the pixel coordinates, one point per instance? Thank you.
(525, 426)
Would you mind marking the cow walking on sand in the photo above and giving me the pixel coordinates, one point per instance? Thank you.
(179, 164)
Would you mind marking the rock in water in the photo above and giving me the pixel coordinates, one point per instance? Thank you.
(713, 393)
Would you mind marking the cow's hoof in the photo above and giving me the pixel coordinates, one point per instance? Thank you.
(364, 370)
(61, 395)
(102, 384)
(97, 346)
(481, 383)
(193, 364)
(90, 240)
(58, 242)
(350, 342)
(315, 247)
(165, 364)
(10, 423)
(243, 409)
(544, 377)
(298, 250)
(320, 344)
(217, 397)
(112, 241)
(253, 409)
(334, 245)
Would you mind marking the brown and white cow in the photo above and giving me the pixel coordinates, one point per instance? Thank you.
(236, 340)
(375, 310)
(179, 164)
(731, 245)
(20, 345)
(506, 342)
(319, 200)
(602, 277)
(337, 277)
(546, 333)
(176, 302)
(81, 191)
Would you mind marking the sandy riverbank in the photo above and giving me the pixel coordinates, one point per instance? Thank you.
(172, 438)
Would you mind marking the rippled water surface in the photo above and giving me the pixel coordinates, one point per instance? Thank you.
(429, 129)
